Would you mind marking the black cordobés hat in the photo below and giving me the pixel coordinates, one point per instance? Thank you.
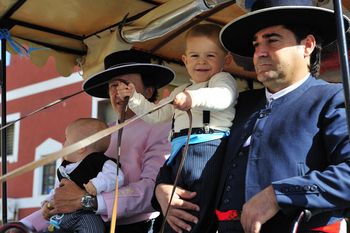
(237, 35)
(127, 62)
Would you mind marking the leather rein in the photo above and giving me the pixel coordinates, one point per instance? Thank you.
(119, 141)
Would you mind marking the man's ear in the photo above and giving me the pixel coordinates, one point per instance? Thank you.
(149, 92)
(310, 43)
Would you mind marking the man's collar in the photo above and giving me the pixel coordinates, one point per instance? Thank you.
(272, 96)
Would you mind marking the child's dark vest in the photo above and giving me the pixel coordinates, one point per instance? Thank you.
(87, 169)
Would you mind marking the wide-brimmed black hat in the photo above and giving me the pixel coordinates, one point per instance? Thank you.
(237, 35)
(127, 62)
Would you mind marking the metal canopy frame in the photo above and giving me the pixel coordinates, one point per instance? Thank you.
(8, 23)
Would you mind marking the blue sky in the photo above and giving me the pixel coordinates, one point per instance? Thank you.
(8, 56)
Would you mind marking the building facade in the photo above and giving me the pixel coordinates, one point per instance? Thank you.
(29, 88)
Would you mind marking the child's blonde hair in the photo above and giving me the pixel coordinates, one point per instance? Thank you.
(211, 31)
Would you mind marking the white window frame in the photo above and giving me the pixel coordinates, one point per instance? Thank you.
(95, 110)
(48, 146)
(10, 118)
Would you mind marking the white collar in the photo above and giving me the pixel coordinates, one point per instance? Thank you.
(273, 96)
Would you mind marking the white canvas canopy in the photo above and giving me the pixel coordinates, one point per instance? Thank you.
(82, 33)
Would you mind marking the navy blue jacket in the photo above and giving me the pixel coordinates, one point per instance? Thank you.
(300, 145)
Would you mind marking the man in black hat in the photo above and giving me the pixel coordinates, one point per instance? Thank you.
(289, 144)
(144, 148)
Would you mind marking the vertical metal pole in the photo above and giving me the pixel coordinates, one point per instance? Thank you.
(3, 132)
(343, 55)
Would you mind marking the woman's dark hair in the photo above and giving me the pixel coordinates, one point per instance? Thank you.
(148, 82)
(301, 33)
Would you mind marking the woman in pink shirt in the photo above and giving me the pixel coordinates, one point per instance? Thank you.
(144, 148)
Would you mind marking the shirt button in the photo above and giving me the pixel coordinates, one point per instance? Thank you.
(226, 201)
(230, 177)
(262, 115)
(234, 165)
(228, 188)
(241, 154)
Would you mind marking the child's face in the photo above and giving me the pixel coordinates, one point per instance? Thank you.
(71, 138)
(204, 58)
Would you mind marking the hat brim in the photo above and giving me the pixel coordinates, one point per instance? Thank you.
(161, 75)
(237, 35)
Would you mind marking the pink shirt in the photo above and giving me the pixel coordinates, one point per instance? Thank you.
(144, 150)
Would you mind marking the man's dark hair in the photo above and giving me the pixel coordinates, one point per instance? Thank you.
(148, 82)
(300, 33)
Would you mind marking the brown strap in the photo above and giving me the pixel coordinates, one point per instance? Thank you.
(65, 151)
(53, 104)
(74, 147)
(180, 168)
(114, 214)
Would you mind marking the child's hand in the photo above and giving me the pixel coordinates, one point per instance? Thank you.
(124, 90)
(90, 188)
(45, 211)
(183, 101)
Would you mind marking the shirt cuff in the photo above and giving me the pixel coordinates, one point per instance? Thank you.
(101, 205)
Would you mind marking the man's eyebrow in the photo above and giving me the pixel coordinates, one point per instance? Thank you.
(265, 36)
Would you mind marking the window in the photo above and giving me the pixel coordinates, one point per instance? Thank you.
(12, 137)
(49, 174)
(9, 139)
(45, 176)
(105, 112)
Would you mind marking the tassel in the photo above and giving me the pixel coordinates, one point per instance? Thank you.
(22, 51)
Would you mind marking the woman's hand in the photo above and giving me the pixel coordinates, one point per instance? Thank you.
(45, 210)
